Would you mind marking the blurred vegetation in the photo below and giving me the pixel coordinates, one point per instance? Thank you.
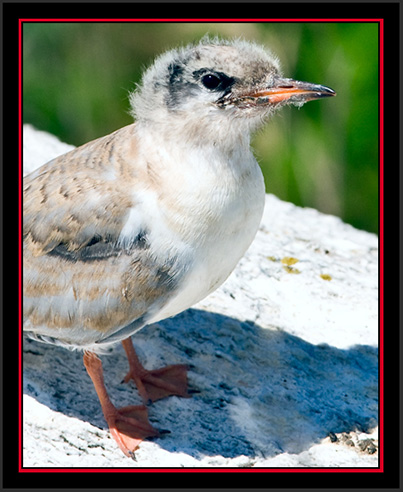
(76, 78)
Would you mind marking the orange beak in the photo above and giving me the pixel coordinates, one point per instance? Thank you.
(293, 91)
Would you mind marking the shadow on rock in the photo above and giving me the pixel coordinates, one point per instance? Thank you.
(262, 391)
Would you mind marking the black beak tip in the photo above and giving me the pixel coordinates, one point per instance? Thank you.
(327, 92)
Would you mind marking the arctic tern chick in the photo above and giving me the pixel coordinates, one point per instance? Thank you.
(139, 225)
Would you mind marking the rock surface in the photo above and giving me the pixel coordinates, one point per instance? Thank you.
(284, 356)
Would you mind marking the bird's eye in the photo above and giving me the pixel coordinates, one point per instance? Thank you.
(211, 81)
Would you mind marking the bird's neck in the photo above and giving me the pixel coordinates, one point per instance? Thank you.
(182, 139)
(197, 167)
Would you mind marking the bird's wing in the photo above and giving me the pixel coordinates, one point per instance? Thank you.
(77, 204)
(78, 275)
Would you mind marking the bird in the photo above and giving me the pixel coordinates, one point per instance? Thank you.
(139, 225)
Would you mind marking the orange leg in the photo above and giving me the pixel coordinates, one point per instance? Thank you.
(128, 425)
(156, 384)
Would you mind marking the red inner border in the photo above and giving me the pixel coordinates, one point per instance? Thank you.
(380, 469)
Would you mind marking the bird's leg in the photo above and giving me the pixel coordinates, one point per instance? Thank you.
(156, 384)
(128, 425)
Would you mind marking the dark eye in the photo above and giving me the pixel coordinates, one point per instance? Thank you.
(211, 81)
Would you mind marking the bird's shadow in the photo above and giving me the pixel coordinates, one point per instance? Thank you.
(261, 391)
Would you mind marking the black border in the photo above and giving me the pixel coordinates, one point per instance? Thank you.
(391, 14)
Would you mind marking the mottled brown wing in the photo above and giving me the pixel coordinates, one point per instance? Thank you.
(80, 197)
(81, 286)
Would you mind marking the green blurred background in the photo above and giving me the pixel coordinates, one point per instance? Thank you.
(76, 78)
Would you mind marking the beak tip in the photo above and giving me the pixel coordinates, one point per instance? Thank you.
(330, 92)
(327, 92)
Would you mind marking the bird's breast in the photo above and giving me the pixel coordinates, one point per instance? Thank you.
(216, 216)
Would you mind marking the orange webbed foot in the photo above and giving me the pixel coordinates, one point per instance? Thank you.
(158, 383)
(128, 425)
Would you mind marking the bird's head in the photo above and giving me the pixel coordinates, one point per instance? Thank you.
(216, 88)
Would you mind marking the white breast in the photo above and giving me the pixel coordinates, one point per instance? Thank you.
(219, 213)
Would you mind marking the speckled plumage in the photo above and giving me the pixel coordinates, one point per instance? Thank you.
(91, 262)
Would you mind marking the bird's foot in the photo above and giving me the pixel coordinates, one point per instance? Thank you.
(156, 384)
(160, 383)
(129, 426)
